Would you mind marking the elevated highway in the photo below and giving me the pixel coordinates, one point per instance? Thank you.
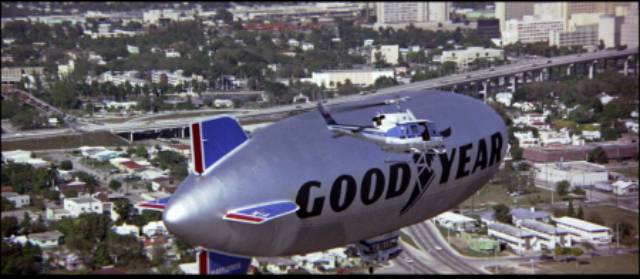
(510, 75)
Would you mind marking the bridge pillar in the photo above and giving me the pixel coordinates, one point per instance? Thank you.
(569, 68)
(182, 133)
(512, 83)
(592, 69)
(131, 137)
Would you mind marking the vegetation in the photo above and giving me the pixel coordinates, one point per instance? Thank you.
(502, 213)
(562, 188)
(21, 260)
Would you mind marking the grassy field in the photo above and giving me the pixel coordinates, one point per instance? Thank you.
(624, 264)
(492, 194)
(63, 142)
(611, 216)
(630, 172)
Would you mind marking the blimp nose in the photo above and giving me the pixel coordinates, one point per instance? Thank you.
(179, 216)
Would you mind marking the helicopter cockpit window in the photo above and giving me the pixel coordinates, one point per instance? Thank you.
(433, 130)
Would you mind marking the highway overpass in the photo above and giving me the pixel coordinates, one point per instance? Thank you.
(510, 75)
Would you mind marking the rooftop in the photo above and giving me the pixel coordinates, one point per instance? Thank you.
(524, 213)
(510, 230)
(581, 166)
(580, 224)
(49, 235)
(542, 227)
(454, 217)
(84, 200)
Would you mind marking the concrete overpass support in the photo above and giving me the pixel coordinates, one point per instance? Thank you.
(626, 67)
(592, 69)
(570, 69)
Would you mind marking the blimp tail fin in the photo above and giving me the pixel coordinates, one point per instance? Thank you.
(326, 115)
(212, 139)
(210, 262)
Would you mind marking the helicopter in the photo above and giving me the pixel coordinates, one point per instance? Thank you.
(398, 132)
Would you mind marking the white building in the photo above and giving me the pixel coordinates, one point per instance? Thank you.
(591, 135)
(45, 240)
(464, 57)
(530, 119)
(126, 229)
(19, 201)
(65, 70)
(547, 235)
(548, 137)
(504, 98)
(171, 53)
(358, 77)
(609, 30)
(55, 214)
(517, 239)
(133, 49)
(578, 173)
(456, 222)
(582, 36)
(388, 53)
(77, 206)
(307, 46)
(583, 231)
(154, 228)
(629, 29)
(606, 98)
(526, 139)
(223, 103)
(120, 105)
(411, 12)
(530, 30)
(23, 157)
(621, 188)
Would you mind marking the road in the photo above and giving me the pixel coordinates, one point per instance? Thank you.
(480, 75)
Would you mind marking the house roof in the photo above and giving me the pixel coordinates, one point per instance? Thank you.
(131, 165)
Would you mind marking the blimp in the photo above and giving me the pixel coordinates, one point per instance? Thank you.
(351, 173)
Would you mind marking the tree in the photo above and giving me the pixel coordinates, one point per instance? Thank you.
(601, 46)
(21, 260)
(502, 213)
(570, 210)
(7, 204)
(9, 226)
(580, 214)
(598, 155)
(383, 82)
(115, 185)
(449, 67)
(224, 15)
(562, 188)
(66, 165)
(123, 208)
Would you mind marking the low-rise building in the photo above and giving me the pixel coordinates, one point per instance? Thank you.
(526, 139)
(583, 231)
(154, 228)
(549, 137)
(624, 188)
(126, 229)
(591, 135)
(548, 235)
(77, 206)
(358, 77)
(463, 58)
(49, 239)
(388, 53)
(19, 201)
(517, 239)
(23, 157)
(519, 215)
(579, 173)
(55, 214)
(504, 98)
(456, 222)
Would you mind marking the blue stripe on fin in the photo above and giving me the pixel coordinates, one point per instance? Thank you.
(220, 136)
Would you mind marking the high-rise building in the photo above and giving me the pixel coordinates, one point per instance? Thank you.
(530, 29)
(593, 7)
(609, 30)
(412, 12)
(629, 29)
(488, 28)
(512, 10)
(582, 36)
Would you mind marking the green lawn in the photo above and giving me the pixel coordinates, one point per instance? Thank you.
(492, 194)
(623, 264)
